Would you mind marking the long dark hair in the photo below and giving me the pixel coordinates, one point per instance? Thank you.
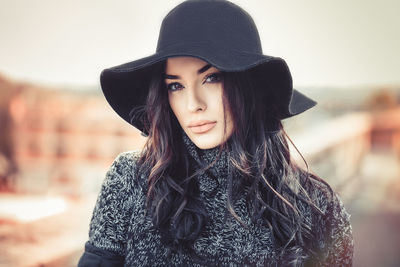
(273, 183)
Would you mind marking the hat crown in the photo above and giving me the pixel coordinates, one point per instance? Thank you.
(222, 34)
(217, 24)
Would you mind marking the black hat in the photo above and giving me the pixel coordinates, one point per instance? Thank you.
(216, 31)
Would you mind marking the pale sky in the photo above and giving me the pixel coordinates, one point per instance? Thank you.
(325, 43)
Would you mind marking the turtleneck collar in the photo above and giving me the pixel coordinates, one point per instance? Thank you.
(220, 169)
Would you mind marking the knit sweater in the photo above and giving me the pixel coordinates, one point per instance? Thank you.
(122, 233)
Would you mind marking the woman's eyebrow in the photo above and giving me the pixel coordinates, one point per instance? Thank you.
(174, 77)
(203, 69)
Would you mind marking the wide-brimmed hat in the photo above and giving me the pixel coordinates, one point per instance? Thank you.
(218, 32)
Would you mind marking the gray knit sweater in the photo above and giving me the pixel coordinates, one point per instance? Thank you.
(122, 234)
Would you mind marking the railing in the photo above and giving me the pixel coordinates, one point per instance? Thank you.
(335, 149)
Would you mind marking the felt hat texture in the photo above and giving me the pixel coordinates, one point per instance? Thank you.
(218, 32)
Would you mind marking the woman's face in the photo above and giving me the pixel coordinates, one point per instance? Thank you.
(195, 93)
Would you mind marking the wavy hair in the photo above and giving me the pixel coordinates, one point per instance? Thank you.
(274, 185)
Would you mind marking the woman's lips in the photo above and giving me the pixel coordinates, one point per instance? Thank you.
(202, 128)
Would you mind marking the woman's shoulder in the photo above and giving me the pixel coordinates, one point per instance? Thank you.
(328, 206)
(127, 158)
(122, 181)
(332, 223)
(123, 168)
(320, 192)
(330, 199)
(331, 203)
(121, 175)
(119, 196)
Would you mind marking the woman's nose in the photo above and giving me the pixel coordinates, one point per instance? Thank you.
(195, 100)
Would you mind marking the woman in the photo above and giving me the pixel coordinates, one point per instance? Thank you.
(215, 184)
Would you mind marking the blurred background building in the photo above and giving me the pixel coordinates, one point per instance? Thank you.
(58, 141)
(58, 135)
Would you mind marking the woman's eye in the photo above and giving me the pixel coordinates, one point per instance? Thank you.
(174, 86)
(213, 78)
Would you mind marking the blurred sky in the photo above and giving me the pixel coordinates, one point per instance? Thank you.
(325, 43)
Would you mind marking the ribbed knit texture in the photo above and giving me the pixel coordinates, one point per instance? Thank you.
(121, 231)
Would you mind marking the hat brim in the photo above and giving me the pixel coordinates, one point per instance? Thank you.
(126, 86)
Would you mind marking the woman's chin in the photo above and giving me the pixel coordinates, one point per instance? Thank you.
(206, 140)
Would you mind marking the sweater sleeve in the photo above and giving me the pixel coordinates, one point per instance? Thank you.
(111, 215)
(340, 245)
